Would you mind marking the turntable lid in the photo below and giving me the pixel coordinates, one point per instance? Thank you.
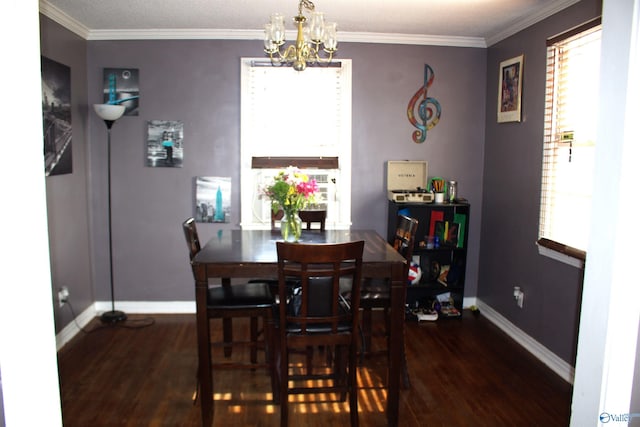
(406, 174)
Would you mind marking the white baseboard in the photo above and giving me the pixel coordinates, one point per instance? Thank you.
(129, 307)
(546, 356)
(70, 331)
(147, 307)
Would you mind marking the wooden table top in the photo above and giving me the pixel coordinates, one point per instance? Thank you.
(258, 246)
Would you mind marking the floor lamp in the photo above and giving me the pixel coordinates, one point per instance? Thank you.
(110, 113)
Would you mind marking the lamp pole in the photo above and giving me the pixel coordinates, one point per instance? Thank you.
(110, 113)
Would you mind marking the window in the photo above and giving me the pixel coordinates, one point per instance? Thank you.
(290, 114)
(573, 66)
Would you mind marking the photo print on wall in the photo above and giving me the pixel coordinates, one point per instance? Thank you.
(121, 86)
(213, 199)
(165, 143)
(56, 117)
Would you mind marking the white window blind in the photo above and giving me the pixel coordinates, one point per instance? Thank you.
(286, 113)
(573, 65)
(295, 112)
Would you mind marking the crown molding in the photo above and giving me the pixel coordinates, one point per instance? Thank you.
(415, 39)
(553, 8)
(220, 34)
(55, 14)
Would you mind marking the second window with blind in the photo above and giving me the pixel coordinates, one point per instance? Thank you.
(573, 65)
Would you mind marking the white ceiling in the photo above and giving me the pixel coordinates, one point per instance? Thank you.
(476, 23)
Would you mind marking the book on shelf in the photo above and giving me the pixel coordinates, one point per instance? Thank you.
(436, 215)
(439, 231)
(443, 278)
(452, 234)
(461, 220)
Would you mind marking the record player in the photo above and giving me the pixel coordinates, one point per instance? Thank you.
(407, 181)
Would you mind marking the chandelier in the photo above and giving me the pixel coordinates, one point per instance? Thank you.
(307, 49)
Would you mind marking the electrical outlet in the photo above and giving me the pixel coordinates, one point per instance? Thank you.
(518, 295)
(63, 296)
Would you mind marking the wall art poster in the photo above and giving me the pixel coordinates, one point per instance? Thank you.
(122, 86)
(213, 199)
(510, 90)
(165, 143)
(56, 117)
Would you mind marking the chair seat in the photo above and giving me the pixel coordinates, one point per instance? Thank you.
(240, 296)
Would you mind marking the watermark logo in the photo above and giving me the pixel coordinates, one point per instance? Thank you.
(606, 417)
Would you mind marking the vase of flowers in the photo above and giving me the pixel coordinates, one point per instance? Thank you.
(291, 191)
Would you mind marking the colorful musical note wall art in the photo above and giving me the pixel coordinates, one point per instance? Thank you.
(424, 111)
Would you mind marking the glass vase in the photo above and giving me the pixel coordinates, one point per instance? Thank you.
(291, 227)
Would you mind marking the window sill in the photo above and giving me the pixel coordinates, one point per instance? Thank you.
(562, 253)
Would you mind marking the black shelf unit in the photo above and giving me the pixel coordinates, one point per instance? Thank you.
(452, 252)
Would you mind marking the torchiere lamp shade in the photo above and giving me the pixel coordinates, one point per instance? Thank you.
(110, 112)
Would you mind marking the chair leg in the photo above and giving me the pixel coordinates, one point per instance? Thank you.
(194, 396)
(353, 385)
(284, 386)
(340, 369)
(366, 330)
(254, 339)
(406, 382)
(309, 360)
(273, 350)
(227, 335)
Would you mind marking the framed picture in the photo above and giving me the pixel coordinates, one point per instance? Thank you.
(165, 143)
(510, 90)
(213, 199)
(56, 117)
(122, 86)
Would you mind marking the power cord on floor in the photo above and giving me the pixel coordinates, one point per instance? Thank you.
(128, 324)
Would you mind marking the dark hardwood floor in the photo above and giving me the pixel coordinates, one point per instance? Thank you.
(464, 372)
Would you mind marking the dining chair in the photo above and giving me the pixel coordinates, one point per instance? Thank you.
(313, 216)
(241, 300)
(310, 217)
(316, 315)
(375, 294)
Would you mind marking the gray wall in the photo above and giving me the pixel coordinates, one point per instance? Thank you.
(511, 199)
(198, 82)
(67, 201)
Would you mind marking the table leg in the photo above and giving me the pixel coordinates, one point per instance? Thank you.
(397, 331)
(204, 349)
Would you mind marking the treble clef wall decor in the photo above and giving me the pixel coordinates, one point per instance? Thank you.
(426, 118)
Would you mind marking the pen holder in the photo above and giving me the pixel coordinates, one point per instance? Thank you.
(439, 188)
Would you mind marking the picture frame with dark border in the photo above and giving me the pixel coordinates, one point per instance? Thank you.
(510, 90)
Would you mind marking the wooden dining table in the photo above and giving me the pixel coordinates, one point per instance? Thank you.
(252, 254)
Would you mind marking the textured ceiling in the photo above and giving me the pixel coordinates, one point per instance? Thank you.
(486, 20)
